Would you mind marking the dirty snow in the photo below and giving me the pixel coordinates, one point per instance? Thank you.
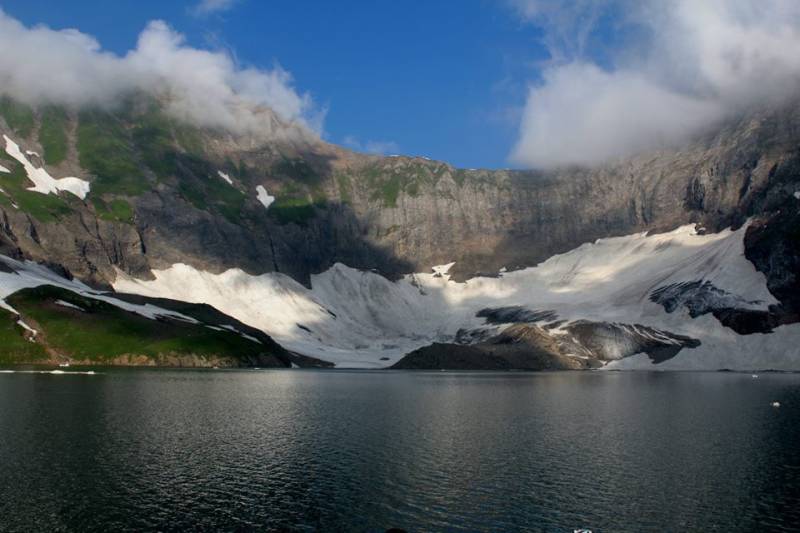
(264, 197)
(43, 182)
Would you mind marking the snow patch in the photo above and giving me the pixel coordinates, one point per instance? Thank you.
(225, 177)
(797, 194)
(4, 170)
(27, 328)
(28, 274)
(442, 270)
(62, 303)
(43, 182)
(4, 305)
(358, 318)
(264, 197)
(32, 153)
(244, 335)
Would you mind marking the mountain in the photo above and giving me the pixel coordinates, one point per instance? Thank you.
(680, 258)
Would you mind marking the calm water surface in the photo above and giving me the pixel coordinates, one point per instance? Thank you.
(365, 451)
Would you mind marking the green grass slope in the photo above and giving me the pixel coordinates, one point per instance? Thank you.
(53, 135)
(14, 346)
(17, 115)
(42, 207)
(101, 333)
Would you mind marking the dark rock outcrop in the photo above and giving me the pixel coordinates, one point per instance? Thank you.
(582, 345)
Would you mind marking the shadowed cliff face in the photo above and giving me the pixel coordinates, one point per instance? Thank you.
(158, 198)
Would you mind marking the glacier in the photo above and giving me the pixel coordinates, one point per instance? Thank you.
(358, 319)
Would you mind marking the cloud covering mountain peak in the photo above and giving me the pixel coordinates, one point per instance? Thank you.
(682, 66)
(208, 88)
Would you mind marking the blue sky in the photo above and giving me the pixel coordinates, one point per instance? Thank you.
(434, 79)
(477, 83)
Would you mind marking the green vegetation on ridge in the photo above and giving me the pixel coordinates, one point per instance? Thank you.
(104, 149)
(200, 185)
(118, 148)
(300, 193)
(53, 135)
(19, 116)
(297, 170)
(116, 210)
(42, 207)
(386, 182)
(102, 332)
(13, 345)
(152, 137)
(294, 203)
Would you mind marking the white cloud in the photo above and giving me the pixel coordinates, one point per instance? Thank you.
(371, 147)
(207, 7)
(700, 61)
(205, 87)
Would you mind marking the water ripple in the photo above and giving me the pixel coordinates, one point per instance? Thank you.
(365, 451)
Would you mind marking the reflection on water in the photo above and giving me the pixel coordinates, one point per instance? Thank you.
(365, 451)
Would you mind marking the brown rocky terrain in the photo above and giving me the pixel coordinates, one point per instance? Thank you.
(393, 214)
(158, 197)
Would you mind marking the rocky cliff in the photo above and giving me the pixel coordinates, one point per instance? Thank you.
(162, 193)
(158, 197)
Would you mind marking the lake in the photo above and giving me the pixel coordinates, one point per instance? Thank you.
(307, 450)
